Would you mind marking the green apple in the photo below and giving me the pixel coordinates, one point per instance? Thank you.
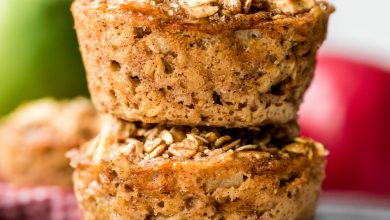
(38, 52)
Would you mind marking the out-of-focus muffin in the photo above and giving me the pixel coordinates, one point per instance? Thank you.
(227, 63)
(137, 171)
(35, 138)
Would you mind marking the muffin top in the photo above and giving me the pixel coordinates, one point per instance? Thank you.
(212, 9)
(149, 143)
(51, 123)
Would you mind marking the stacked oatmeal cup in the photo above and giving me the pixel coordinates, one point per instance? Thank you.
(35, 176)
(203, 96)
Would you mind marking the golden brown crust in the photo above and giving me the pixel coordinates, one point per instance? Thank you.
(246, 70)
(36, 137)
(264, 183)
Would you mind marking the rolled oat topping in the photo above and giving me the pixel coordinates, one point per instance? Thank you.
(140, 141)
(208, 8)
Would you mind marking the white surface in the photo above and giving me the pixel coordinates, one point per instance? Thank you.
(361, 28)
(352, 206)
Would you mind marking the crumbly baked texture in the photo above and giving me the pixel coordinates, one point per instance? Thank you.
(233, 71)
(35, 138)
(129, 172)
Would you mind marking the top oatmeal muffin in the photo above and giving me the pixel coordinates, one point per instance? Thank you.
(224, 63)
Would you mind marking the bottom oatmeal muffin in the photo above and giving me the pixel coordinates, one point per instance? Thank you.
(137, 171)
(35, 138)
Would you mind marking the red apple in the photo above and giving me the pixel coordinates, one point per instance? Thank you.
(348, 109)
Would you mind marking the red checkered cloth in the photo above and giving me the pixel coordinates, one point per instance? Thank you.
(39, 203)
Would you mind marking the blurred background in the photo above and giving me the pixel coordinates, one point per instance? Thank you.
(347, 107)
(348, 104)
(359, 29)
(38, 52)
